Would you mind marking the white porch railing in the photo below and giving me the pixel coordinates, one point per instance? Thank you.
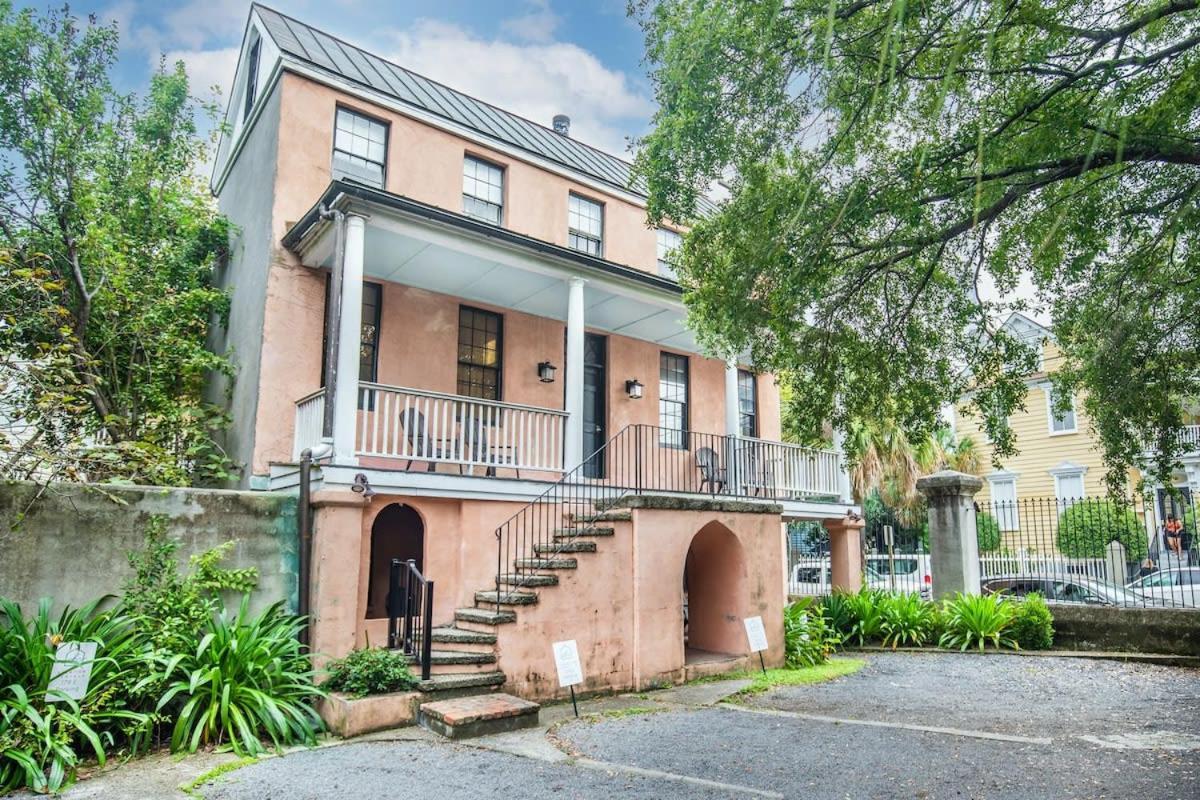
(310, 413)
(1189, 438)
(418, 425)
(1023, 562)
(787, 470)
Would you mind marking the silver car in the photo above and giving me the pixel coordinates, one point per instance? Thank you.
(1070, 589)
(1180, 586)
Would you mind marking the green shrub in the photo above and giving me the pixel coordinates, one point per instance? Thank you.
(1086, 528)
(173, 607)
(246, 679)
(866, 608)
(1032, 626)
(907, 620)
(369, 670)
(987, 531)
(977, 620)
(808, 636)
(43, 733)
(838, 610)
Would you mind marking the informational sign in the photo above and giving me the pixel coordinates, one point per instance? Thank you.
(756, 633)
(71, 671)
(889, 535)
(566, 659)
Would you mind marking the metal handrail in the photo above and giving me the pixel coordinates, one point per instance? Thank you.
(410, 613)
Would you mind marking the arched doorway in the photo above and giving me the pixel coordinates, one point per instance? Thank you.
(397, 532)
(714, 586)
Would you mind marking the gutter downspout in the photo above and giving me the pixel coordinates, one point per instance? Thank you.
(304, 522)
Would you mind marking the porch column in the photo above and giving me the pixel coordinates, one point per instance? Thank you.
(845, 491)
(845, 552)
(573, 447)
(732, 426)
(345, 388)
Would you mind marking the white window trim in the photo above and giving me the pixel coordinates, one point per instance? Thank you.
(1068, 469)
(1004, 476)
(1048, 390)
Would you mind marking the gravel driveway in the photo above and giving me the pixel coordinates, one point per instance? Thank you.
(906, 726)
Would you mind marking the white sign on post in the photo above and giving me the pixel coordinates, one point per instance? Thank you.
(756, 633)
(566, 659)
(71, 671)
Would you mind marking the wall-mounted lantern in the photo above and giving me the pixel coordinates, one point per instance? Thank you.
(546, 372)
(634, 388)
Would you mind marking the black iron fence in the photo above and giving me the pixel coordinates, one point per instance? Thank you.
(410, 613)
(1092, 550)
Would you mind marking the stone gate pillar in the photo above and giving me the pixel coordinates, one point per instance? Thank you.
(953, 542)
(845, 552)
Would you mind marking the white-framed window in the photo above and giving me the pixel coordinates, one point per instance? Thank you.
(359, 147)
(251, 77)
(1068, 483)
(1004, 501)
(483, 190)
(1059, 424)
(668, 243)
(585, 225)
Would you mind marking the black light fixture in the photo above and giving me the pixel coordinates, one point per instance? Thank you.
(633, 388)
(546, 372)
(362, 486)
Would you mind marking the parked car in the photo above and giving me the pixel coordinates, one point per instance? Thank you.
(1178, 585)
(815, 576)
(913, 572)
(1068, 589)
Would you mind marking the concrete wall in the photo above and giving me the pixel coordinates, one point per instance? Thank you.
(247, 202)
(73, 542)
(1173, 631)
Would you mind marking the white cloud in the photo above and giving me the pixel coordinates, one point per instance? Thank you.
(537, 25)
(536, 80)
(198, 22)
(206, 68)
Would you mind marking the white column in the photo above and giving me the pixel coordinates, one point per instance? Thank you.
(732, 428)
(349, 342)
(573, 453)
(839, 442)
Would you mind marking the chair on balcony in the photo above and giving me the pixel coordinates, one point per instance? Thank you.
(712, 474)
(420, 446)
(484, 452)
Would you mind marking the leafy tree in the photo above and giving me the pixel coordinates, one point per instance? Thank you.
(987, 532)
(108, 243)
(887, 158)
(1086, 528)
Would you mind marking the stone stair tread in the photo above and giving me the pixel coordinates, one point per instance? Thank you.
(546, 563)
(461, 657)
(528, 579)
(583, 530)
(447, 681)
(584, 546)
(461, 636)
(602, 516)
(485, 616)
(509, 597)
(477, 715)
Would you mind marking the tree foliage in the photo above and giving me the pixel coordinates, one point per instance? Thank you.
(1086, 528)
(108, 243)
(890, 160)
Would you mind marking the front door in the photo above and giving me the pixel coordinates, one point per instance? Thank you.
(595, 387)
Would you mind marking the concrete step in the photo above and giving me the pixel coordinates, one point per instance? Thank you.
(508, 597)
(616, 515)
(456, 683)
(457, 657)
(460, 636)
(575, 546)
(546, 563)
(482, 619)
(528, 579)
(478, 715)
(587, 530)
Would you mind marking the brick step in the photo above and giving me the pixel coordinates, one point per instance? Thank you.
(508, 597)
(573, 533)
(478, 715)
(461, 636)
(600, 516)
(482, 619)
(453, 683)
(584, 546)
(528, 579)
(546, 563)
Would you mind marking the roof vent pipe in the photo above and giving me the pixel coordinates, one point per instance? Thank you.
(562, 124)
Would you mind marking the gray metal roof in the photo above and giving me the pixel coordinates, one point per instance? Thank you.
(333, 55)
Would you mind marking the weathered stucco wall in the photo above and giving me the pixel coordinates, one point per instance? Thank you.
(73, 542)
(1173, 631)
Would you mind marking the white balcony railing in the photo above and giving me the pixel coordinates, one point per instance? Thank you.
(431, 427)
(1189, 438)
(788, 470)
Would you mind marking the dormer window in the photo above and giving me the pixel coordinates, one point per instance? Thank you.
(359, 148)
(251, 77)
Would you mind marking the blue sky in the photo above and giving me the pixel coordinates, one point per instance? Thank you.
(534, 57)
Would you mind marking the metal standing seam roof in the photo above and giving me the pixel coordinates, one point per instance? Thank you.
(331, 54)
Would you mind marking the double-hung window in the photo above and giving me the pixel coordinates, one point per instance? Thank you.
(359, 148)
(668, 244)
(480, 351)
(1069, 487)
(747, 403)
(1004, 502)
(1064, 423)
(672, 400)
(585, 225)
(483, 190)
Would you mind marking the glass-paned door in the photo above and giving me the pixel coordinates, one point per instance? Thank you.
(595, 407)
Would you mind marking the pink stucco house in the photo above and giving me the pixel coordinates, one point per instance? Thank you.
(463, 317)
